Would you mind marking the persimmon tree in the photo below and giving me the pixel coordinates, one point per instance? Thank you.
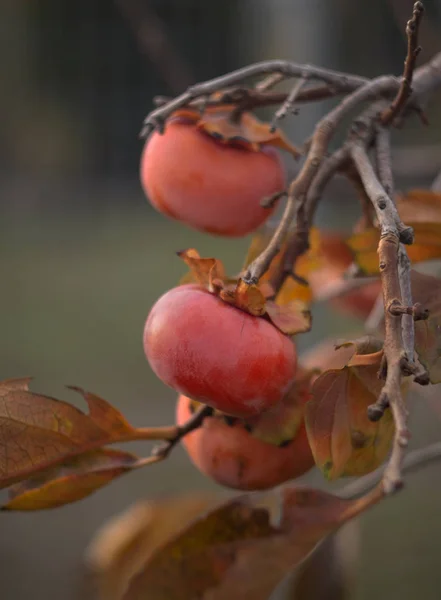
(251, 413)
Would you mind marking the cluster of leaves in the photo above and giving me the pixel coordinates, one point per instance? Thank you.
(197, 547)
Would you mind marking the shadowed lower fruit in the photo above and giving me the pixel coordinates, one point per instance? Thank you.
(233, 457)
(218, 354)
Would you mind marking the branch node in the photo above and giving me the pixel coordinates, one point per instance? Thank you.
(416, 311)
(391, 486)
(376, 411)
(406, 235)
(270, 201)
(422, 378)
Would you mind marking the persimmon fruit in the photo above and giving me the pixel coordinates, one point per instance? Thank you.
(218, 354)
(228, 453)
(212, 185)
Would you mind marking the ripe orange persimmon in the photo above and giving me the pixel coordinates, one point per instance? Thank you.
(218, 354)
(233, 457)
(211, 184)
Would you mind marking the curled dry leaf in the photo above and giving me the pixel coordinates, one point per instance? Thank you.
(420, 209)
(336, 354)
(126, 543)
(243, 548)
(240, 129)
(49, 444)
(290, 318)
(426, 290)
(343, 440)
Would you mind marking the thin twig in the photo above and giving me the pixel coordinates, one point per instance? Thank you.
(413, 50)
(261, 264)
(298, 242)
(270, 81)
(288, 105)
(194, 422)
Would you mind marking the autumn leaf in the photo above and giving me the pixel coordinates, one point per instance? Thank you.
(125, 543)
(419, 209)
(243, 548)
(336, 354)
(426, 290)
(72, 481)
(343, 440)
(202, 270)
(48, 442)
(290, 318)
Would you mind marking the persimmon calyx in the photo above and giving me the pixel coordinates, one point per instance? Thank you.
(290, 318)
(245, 131)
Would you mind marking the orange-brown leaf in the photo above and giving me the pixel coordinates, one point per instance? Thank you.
(40, 432)
(74, 480)
(330, 354)
(343, 440)
(291, 318)
(125, 543)
(203, 270)
(245, 547)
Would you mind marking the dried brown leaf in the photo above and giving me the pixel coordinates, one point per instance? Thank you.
(74, 480)
(343, 440)
(244, 548)
(40, 432)
(124, 545)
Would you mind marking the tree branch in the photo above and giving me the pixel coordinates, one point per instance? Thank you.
(413, 49)
(194, 422)
(288, 105)
(396, 359)
(157, 118)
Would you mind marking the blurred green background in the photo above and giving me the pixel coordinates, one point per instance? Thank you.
(84, 257)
